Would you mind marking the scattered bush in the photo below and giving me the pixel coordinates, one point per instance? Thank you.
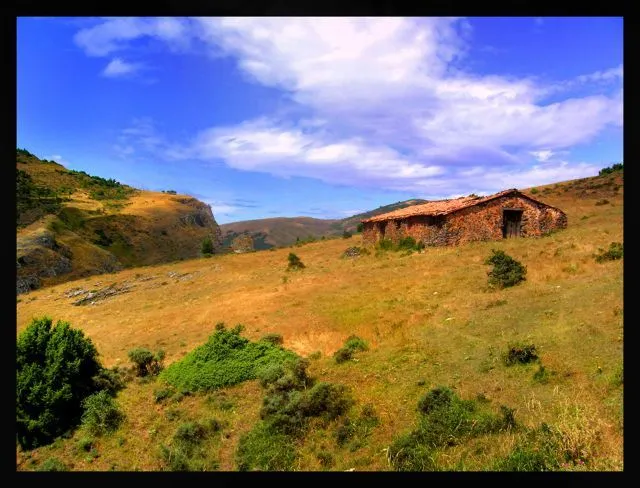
(542, 375)
(506, 271)
(273, 338)
(291, 399)
(162, 394)
(294, 262)
(52, 464)
(207, 248)
(101, 414)
(147, 363)
(446, 420)
(611, 169)
(186, 452)
(263, 449)
(56, 367)
(225, 359)
(86, 444)
(351, 345)
(520, 354)
(614, 252)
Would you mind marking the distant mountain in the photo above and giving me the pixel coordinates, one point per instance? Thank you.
(71, 224)
(283, 231)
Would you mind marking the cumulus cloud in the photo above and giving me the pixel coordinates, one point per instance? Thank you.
(388, 103)
(118, 68)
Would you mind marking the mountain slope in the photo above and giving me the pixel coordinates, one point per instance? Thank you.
(429, 320)
(283, 231)
(71, 224)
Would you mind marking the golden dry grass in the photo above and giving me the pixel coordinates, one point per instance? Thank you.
(429, 319)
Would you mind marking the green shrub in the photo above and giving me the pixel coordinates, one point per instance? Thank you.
(520, 354)
(445, 421)
(273, 338)
(101, 414)
(147, 363)
(291, 399)
(351, 345)
(225, 359)
(52, 464)
(262, 449)
(207, 248)
(186, 452)
(539, 450)
(162, 394)
(294, 262)
(611, 169)
(86, 444)
(56, 367)
(506, 270)
(614, 252)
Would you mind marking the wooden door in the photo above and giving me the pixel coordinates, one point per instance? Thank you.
(512, 221)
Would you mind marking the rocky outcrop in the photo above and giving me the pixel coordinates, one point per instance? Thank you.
(202, 216)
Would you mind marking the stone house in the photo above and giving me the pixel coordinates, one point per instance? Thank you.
(509, 213)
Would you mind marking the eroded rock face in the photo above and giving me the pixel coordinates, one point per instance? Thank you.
(202, 216)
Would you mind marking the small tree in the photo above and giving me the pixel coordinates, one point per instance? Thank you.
(207, 246)
(56, 367)
(294, 262)
(146, 362)
(506, 270)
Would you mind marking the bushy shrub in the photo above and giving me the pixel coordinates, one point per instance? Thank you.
(52, 464)
(146, 362)
(225, 359)
(614, 252)
(186, 452)
(520, 354)
(101, 414)
(294, 262)
(611, 169)
(273, 338)
(506, 270)
(351, 345)
(446, 421)
(56, 367)
(207, 246)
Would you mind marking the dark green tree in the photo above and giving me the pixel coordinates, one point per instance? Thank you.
(56, 367)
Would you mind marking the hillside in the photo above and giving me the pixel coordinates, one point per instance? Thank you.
(429, 320)
(71, 224)
(283, 231)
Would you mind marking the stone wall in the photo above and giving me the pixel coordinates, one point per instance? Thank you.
(480, 222)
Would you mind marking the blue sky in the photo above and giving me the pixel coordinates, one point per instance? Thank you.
(322, 117)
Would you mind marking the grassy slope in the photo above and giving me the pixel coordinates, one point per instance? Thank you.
(144, 228)
(428, 318)
(283, 231)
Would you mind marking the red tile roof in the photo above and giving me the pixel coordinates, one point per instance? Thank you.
(441, 207)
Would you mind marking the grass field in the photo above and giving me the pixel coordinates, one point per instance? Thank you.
(429, 319)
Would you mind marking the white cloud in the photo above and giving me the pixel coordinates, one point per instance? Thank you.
(119, 68)
(387, 102)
